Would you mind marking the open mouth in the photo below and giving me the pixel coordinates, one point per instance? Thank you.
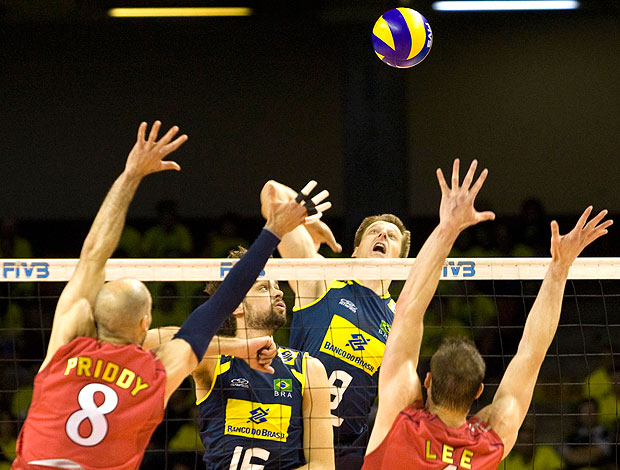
(280, 305)
(379, 248)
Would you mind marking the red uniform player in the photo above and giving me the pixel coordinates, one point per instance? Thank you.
(419, 438)
(98, 395)
(109, 387)
(440, 436)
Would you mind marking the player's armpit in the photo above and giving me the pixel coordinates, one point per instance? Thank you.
(203, 376)
(504, 417)
(318, 430)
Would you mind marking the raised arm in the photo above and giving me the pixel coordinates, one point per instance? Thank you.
(303, 242)
(512, 399)
(181, 355)
(318, 429)
(73, 316)
(399, 384)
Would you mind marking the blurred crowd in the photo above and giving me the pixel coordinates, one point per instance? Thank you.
(573, 423)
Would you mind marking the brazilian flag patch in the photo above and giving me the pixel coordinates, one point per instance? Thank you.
(385, 327)
(283, 385)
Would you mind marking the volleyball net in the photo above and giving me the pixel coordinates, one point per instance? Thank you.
(573, 420)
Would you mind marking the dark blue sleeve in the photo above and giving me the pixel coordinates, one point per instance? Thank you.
(203, 323)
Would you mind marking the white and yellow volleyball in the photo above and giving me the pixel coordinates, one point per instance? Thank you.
(402, 37)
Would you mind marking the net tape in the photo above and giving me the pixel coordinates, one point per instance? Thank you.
(303, 269)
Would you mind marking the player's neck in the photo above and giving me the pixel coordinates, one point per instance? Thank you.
(113, 340)
(249, 333)
(451, 418)
(379, 287)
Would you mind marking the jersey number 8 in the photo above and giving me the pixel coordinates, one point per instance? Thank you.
(93, 413)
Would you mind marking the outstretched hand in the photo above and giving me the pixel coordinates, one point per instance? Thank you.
(147, 155)
(284, 216)
(457, 202)
(566, 248)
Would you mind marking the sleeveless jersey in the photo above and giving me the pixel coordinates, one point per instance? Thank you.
(94, 406)
(254, 418)
(419, 439)
(346, 329)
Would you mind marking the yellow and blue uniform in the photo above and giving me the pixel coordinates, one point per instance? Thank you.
(254, 418)
(346, 329)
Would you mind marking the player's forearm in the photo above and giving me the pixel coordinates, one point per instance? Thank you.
(228, 346)
(106, 230)
(424, 276)
(542, 321)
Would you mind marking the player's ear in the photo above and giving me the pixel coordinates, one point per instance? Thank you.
(239, 311)
(427, 380)
(145, 323)
(480, 390)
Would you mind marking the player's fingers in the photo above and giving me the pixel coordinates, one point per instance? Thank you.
(313, 218)
(323, 207)
(597, 232)
(442, 182)
(167, 136)
(584, 217)
(175, 144)
(555, 230)
(595, 235)
(170, 165)
(306, 190)
(486, 215)
(141, 131)
(596, 220)
(475, 189)
(320, 197)
(455, 174)
(469, 177)
(154, 131)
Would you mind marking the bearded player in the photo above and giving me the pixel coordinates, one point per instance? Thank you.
(437, 435)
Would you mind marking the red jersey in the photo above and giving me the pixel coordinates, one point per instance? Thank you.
(418, 439)
(94, 406)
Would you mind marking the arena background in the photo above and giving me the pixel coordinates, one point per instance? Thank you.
(295, 91)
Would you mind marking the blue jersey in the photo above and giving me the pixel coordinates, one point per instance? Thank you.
(346, 329)
(254, 418)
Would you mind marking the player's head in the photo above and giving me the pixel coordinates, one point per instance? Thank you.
(123, 310)
(263, 307)
(382, 235)
(456, 375)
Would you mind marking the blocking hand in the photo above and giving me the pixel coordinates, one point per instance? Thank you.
(457, 203)
(566, 248)
(147, 156)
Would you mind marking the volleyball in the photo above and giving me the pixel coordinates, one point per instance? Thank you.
(402, 37)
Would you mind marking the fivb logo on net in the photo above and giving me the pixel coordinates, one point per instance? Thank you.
(25, 270)
(459, 269)
(226, 266)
